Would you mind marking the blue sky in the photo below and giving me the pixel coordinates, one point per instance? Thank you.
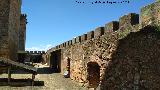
(52, 22)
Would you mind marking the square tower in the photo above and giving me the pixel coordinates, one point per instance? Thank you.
(10, 11)
(22, 32)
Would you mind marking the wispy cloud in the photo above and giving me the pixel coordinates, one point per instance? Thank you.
(40, 48)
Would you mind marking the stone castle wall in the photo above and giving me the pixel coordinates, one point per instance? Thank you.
(4, 22)
(127, 53)
(14, 27)
(10, 13)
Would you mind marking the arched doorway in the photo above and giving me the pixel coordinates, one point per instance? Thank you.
(93, 77)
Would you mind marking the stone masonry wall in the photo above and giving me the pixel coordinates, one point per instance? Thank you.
(126, 51)
(4, 22)
(14, 27)
(9, 27)
(150, 14)
(22, 32)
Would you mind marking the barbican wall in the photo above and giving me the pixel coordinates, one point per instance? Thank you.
(125, 53)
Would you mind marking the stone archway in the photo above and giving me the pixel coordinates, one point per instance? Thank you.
(93, 70)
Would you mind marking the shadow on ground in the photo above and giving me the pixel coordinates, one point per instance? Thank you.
(20, 82)
(45, 70)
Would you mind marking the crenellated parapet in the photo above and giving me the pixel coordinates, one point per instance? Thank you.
(90, 35)
(150, 15)
(36, 52)
(23, 18)
(83, 37)
(111, 27)
(129, 19)
(23, 15)
(127, 47)
(99, 32)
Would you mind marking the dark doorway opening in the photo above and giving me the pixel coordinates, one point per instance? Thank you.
(67, 71)
(21, 57)
(55, 61)
(93, 77)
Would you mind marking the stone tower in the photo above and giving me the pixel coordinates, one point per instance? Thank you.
(22, 32)
(10, 11)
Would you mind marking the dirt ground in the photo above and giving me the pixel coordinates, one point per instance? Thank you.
(54, 81)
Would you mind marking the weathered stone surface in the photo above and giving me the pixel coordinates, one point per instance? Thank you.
(117, 59)
(63, 45)
(84, 37)
(130, 19)
(78, 39)
(150, 15)
(4, 22)
(99, 32)
(111, 26)
(90, 35)
(67, 43)
(59, 46)
(10, 11)
(70, 42)
(22, 32)
(73, 40)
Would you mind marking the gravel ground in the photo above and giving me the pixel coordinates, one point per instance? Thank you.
(53, 81)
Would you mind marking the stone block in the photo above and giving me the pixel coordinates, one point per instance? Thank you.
(56, 47)
(99, 32)
(43, 52)
(39, 51)
(70, 42)
(78, 39)
(130, 19)
(64, 45)
(84, 37)
(90, 35)
(67, 43)
(61, 45)
(35, 51)
(31, 52)
(111, 26)
(73, 40)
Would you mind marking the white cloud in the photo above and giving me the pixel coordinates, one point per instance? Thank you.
(40, 48)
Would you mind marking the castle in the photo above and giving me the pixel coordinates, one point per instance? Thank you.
(122, 55)
(13, 31)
